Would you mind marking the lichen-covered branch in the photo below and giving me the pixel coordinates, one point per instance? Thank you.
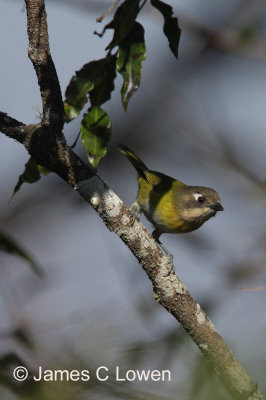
(171, 292)
(47, 146)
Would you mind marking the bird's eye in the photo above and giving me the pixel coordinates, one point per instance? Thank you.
(199, 198)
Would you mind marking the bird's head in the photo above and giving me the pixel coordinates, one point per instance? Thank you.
(198, 203)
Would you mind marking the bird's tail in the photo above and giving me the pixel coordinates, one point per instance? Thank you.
(133, 158)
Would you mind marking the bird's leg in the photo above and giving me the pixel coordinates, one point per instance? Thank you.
(156, 234)
(136, 210)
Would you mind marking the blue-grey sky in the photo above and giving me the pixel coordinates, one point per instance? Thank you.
(88, 270)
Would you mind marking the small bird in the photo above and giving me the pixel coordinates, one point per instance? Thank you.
(170, 205)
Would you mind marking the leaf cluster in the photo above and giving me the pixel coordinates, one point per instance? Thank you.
(95, 81)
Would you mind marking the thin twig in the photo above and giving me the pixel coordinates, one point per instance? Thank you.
(253, 289)
(99, 19)
(75, 141)
(142, 5)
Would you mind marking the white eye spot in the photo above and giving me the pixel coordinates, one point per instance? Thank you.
(199, 197)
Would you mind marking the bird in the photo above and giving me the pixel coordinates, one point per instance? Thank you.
(169, 204)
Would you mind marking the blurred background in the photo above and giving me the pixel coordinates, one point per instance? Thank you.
(200, 119)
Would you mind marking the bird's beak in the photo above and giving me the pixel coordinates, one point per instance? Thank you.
(217, 207)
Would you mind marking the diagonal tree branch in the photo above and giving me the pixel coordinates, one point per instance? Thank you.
(47, 146)
(172, 293)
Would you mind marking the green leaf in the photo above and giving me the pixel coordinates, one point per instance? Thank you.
(170, 27)
(94, 79)
(123, 22)
(11, 246)
(132, 52)
(104, 85)
(95, 134)
(32, 173)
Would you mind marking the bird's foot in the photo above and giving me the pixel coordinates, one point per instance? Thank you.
(170, 264)
(170, 257)
(135, 209)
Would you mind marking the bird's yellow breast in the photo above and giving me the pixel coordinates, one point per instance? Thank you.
(161, 206)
